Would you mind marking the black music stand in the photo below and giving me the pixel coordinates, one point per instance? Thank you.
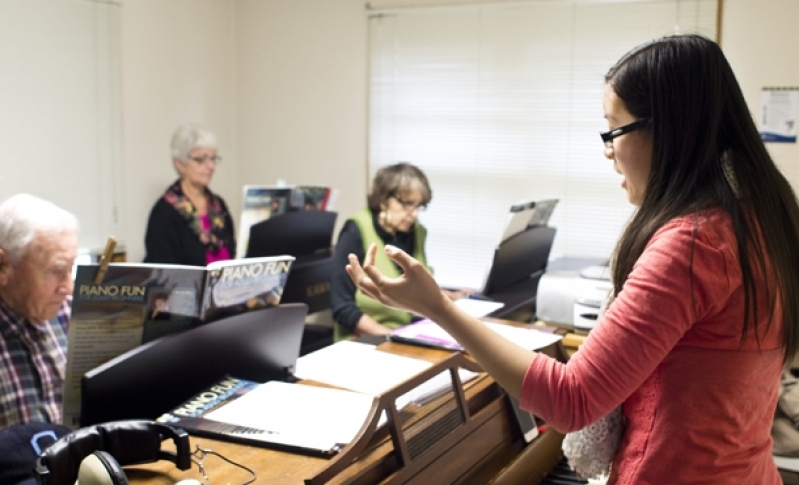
(306, 235)
(518, 264)
(309, 283)
(302, 234)
(158, 376)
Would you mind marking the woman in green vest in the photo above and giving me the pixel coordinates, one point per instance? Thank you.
(399, 192)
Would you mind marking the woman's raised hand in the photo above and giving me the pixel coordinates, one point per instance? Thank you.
(415, 290)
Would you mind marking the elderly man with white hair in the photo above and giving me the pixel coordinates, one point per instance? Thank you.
(38, 247)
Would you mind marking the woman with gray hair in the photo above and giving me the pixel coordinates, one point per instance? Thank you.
(190, 224)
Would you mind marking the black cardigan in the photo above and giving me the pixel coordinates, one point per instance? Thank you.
(169, 238)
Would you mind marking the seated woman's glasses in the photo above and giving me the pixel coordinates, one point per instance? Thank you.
(411, 206)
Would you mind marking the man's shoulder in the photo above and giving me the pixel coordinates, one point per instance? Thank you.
(9, 319)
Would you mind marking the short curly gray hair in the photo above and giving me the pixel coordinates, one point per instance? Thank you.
(395, 181)
(23, 216)
(190, 137)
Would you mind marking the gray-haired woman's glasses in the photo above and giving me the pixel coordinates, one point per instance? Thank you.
(201, 160)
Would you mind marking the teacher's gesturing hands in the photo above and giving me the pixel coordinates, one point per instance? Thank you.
(415, 290)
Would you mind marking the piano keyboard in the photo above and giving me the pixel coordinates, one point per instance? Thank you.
(561, 474)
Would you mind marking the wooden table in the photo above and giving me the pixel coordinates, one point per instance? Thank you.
(475, 456)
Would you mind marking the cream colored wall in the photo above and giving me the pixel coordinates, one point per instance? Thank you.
(761, 41)
(178, 66)
(301, 81)
(283, 83)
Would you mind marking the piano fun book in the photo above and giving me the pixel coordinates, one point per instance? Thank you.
(136, 303)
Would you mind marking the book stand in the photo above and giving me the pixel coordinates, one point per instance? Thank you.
(420, 433)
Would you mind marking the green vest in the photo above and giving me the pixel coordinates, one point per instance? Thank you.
(389, 317)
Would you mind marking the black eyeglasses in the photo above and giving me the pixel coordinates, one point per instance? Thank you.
(216, 159)
(608, 136)
(410, 206)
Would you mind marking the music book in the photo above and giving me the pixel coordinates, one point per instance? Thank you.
(264, 201)
(528, 213)
(293, 416)
(136, 303)
(363, 368)
(427, 333)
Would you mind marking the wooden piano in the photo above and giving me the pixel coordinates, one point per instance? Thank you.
(466, 435)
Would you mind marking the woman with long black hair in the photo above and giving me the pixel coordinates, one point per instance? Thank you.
(705, 305)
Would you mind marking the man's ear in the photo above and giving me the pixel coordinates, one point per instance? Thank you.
(5, 267)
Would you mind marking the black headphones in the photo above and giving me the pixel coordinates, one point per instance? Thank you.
(113, 445)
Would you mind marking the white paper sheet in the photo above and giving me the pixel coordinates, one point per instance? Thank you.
(298, 415)
(529, 338)
(358, 367)
(430, 333)
(478, 308)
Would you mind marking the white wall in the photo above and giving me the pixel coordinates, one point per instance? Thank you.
(178, 66)
(761, 41)
(60, 113)
(301, 81)
(283, 84)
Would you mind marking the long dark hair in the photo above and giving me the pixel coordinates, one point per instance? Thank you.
(707, 153)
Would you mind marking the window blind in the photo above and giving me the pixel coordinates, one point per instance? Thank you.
(502, 103)
(60, 122)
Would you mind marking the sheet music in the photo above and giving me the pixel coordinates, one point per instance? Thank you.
(358, 367)
(787, 463)
(428, 331)
(478, 308)
(298, 415)
(528, 213)
(528, 338)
